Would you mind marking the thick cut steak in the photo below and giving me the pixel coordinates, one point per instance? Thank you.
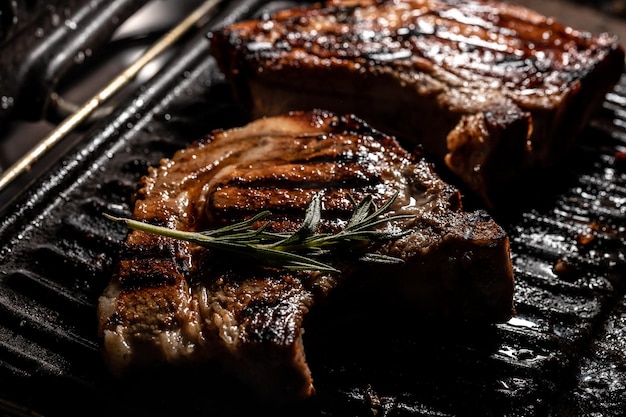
(171, 302)
(493, 90)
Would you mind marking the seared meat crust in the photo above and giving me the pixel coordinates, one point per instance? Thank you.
(174, 303)
(493, 90)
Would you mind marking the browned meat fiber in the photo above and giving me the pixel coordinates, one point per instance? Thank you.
(175, 303)
(492, 90)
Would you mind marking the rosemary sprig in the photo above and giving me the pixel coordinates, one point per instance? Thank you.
(297, 250)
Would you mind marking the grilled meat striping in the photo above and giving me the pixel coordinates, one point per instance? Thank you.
(493, 90)
(171, 302)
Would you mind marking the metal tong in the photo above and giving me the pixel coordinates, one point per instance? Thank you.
(30, 78)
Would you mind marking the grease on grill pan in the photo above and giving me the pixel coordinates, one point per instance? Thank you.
(562, 355)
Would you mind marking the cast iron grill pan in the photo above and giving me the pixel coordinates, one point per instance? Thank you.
(563, 354)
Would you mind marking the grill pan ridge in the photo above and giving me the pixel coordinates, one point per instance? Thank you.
(563, 354)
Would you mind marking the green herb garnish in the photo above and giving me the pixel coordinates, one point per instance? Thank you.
(297, 250)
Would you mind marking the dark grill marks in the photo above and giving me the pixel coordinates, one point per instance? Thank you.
(295, 175)
(438, 31)
(227, 202)
(287, 184)
(49, 362)
(256, 314)
(148, 272)
(431, 72)
(290, 186)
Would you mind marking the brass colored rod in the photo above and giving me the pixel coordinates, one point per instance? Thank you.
(74, 120)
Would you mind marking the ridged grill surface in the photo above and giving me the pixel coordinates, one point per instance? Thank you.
(563, 354)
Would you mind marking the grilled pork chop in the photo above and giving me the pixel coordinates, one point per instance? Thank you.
(172, 302)
(494, 90)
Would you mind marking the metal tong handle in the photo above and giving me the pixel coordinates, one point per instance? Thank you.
(33, 61)
(70, 123)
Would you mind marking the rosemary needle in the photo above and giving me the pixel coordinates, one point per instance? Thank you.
(292, 251)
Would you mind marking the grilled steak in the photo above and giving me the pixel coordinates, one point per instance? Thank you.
(172, 302)
(494, 90)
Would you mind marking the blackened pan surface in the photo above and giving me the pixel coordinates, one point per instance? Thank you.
(563, 354)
